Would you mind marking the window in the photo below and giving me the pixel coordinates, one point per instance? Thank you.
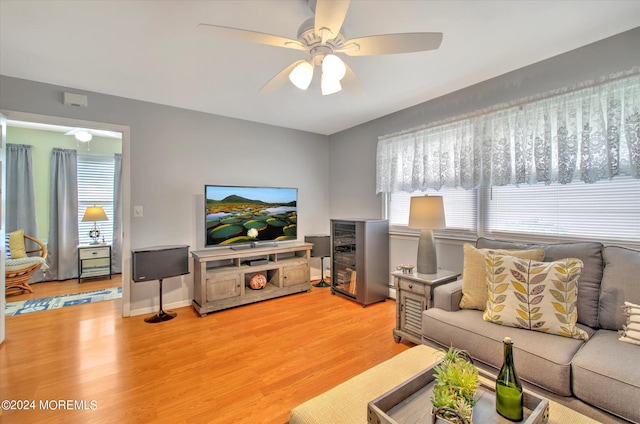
(559, 165)
(95, 188)
(460, 206)
(605, 210)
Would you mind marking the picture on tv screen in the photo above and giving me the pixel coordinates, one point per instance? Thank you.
(236, 215)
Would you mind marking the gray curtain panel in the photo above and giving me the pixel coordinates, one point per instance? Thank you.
(116, 249)
(21, 203)
(63, 215)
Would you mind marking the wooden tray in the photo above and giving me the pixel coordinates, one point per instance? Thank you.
(410, 403)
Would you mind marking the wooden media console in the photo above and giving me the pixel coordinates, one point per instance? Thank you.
(221, 276)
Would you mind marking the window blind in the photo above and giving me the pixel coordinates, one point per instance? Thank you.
(95, 188)
(606, 210)
(460, 208)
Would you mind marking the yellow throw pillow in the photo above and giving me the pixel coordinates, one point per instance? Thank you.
(16, 245)
(533, 295)
(474, 275)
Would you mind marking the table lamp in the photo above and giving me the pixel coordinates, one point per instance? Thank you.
(94, 213)
(427, 213)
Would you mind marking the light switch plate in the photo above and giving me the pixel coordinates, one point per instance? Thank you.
(137, 212)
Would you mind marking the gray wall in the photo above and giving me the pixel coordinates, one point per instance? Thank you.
(173, 153)
(352, 152)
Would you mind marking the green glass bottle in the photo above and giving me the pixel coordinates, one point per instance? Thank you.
(508, 387)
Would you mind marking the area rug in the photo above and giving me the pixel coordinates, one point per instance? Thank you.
(36, 305)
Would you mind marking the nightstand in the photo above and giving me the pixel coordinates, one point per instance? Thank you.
(94, 261)
(414, 294)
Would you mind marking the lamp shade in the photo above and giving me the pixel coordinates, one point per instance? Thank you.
(333, 67)
(94, 213)
(302, 75)
(427, 212)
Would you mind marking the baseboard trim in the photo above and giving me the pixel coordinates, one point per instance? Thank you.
(166, 307)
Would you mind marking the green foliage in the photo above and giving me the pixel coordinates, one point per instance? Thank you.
(456, 383)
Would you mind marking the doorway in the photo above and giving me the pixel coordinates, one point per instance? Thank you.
(45, 121)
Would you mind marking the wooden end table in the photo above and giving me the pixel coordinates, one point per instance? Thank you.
(414, 294)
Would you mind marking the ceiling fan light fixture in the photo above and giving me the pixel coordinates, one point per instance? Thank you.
(302, 75)
(329, 85)
(83, 135)
(333, 67)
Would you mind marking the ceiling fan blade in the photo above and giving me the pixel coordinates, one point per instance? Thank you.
(250, 36)
(392, 44)
(280, 79)
(330, 15)
(351, 83)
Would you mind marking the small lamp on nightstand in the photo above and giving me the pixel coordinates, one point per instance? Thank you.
(427, 214)
(95, 214)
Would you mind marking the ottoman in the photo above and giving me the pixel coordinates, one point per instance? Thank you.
(347, 402)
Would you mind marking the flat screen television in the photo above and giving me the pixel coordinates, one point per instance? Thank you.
(244, 216)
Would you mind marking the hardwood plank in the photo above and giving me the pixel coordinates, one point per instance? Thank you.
(249, 364)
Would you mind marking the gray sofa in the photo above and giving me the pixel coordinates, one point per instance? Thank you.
(603, 371)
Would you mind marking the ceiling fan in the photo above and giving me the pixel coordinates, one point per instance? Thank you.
(322, 37)
(86, 134)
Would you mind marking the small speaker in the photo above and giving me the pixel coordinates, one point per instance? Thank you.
(159, 262)
(321, 245)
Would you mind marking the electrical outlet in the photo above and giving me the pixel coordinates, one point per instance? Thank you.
(137, 212)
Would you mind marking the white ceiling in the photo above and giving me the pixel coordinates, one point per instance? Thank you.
(151, 51)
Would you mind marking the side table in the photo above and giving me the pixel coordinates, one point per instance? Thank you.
(94, 260)
(414, 294)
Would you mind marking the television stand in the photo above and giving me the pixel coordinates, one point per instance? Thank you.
(244, 246)
(221, 277)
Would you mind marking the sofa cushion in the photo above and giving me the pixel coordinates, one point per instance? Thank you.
(533, 351)
(605, 373)
(590, 253)
(620, 283)
(474, 278)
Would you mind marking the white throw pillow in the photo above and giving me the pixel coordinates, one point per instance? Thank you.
(630, 332)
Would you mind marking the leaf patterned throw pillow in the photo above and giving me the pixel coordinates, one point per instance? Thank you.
(533, 295)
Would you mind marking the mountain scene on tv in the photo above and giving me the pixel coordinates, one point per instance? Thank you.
(257, 215)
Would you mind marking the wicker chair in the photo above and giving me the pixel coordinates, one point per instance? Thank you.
(17, 277)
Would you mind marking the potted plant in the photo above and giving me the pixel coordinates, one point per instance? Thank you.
(456, 383)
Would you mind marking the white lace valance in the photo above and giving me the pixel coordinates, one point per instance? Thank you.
(589, 133)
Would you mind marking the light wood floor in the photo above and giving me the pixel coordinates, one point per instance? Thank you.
(250, 364)
(57, 288)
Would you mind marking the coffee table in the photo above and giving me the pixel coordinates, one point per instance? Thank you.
(410, 403)
(347, 402)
